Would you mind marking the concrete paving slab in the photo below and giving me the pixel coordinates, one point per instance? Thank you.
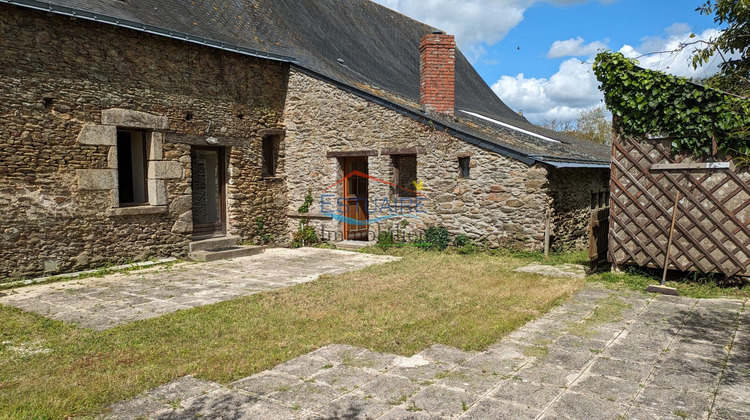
(307, 395)
(392, 389)
(646, 368)
(220, 404)
(343, 377)
(354, 406)
(400, 413)
(527, 394)
(622, 369)
(564, 270)
(265, 383)
(445, 354)
(490, 408)
(470, 380)
(607, 387)
(116, 299)
(440, 401)
(580, 406)
(675, 401)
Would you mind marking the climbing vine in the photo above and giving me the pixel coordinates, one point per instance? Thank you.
(648, 103)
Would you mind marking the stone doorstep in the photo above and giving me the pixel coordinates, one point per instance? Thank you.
(236, 251)
(213, 243)
(353, 245)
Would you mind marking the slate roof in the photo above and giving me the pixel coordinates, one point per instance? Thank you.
(379, 48)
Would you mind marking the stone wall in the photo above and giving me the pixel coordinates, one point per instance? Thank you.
(59, 77)
(572, 191)
(503, 202)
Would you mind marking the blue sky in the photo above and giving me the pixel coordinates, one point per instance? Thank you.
(536, 54)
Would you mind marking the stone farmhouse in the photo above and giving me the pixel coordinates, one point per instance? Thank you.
(131, 129)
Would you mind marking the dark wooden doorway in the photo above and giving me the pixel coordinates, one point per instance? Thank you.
(599, 239)
(209, 191)
(355, 194)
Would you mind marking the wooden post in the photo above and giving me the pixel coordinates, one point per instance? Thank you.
(547, 233)
(671, 235)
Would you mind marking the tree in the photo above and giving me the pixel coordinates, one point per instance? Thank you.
(593, 124)
(735, 40)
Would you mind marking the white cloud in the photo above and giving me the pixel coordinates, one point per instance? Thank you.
(474, 22)
(664, 53)
(574, 47)
(574, 88)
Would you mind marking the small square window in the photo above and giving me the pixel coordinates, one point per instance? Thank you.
(132, 168)
(464, 167)
(270, 155)
(405, 175)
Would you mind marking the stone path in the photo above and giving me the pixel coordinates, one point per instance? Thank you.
(603, 354)
(101, 303)
(562, 270)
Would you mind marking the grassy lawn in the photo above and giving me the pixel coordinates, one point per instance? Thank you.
(467, 301)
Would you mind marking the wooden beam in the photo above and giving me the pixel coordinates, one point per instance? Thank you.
(404, 151)
(690, 165)
(204, 140)
(272, 132)
(351, 153)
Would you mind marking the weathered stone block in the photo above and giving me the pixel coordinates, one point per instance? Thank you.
(181, 204)
(112, 158)
(165, 169)
(134, 119)
(157, 192)
(184, 223)
(136, 211)
(97, 179)
(156, 146)
(98, 135)
(534, 184)
(497, 188)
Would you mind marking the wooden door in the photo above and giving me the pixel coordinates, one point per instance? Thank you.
(208, 191)
(355, 194)
(599, 238)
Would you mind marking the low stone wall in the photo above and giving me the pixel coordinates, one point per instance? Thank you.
(572, 192)
(502, 203)
(62, 81)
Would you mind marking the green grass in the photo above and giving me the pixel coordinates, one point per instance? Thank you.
(695, 287)
(608, 310)
(467, 301)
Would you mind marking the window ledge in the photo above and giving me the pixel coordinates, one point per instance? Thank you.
(314, 216)
(136, 211)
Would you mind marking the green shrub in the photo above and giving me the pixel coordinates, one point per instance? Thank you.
(437, 237)
(461, 240)
(305, 236)
(386, 239)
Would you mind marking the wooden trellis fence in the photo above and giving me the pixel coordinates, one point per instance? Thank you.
(712, 233)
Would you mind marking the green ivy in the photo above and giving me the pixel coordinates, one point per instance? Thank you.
(305, 207)
(649, 103)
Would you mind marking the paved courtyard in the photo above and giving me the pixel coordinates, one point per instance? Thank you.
(604, 354)
(116, 299)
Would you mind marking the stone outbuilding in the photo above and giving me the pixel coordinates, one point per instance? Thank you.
(133, 129)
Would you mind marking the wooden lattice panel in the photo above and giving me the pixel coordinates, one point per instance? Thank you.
(712, 232)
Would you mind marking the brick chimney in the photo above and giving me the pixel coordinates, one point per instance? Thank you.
(437, 72)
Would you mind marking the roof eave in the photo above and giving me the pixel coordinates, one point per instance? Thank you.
(421, 117)
(149, 29)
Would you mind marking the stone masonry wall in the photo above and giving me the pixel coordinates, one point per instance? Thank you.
(503, 202)
(571, 191)
(65, 84)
